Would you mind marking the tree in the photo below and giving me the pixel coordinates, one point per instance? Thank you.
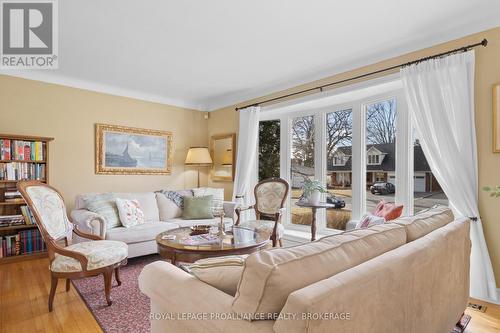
(381, 122)
(269, 149)
(303, 140)
(338, 130)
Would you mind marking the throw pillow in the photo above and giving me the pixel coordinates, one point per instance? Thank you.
(218, 197)
(105, 206)
(369, 220)
(222, 273)
(169, 205)
(130, 212)
(198, 208)
(388, 210)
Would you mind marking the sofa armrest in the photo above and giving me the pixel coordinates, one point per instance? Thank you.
(229, 208)
(177, 294)
(89, 222)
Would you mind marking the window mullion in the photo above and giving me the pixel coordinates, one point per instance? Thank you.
(320, 161)
(358, 162)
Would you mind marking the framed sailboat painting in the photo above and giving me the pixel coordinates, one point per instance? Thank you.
(127, 150)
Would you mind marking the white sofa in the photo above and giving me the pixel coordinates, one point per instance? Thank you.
(408, 276)
(141, 238)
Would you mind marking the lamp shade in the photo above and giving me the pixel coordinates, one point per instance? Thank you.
(198, 156)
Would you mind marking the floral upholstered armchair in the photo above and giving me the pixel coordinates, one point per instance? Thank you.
(270, 196)
(74, 261)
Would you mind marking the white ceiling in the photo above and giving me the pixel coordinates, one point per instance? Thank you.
(209, 54)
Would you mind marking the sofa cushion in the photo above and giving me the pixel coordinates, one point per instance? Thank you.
(130, 212)
(426, 221)
(98, 253)
(139, 233)
(147, 200)
(222, 273)
(104, 205)
(269, 276)
(198, 207)
(168, 209)
(217, 197)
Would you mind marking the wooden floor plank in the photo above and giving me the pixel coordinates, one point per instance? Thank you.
(24, 290)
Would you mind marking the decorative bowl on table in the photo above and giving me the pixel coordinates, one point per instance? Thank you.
(200, 229)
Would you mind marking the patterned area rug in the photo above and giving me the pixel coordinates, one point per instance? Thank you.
(130, 309)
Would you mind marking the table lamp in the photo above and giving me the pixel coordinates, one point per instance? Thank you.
(199, 157)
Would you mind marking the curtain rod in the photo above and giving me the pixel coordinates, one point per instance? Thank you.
(484, 42)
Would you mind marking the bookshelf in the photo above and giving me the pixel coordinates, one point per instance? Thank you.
(21, 157)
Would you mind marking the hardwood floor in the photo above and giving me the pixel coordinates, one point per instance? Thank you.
(24, 289)
(487, 322)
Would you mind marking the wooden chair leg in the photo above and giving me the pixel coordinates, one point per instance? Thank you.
(117, 276)
(108, 274)
(273, 238)
(53, 287)
(68, 284)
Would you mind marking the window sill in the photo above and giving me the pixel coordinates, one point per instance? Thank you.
(294, 234)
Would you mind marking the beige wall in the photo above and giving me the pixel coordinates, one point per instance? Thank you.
(487, 73)
(69, 114)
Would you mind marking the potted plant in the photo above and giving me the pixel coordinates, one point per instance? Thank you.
(312, 190)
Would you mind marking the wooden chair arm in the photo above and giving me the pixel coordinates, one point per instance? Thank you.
(68, 253)
(86, 235)
(238, 211)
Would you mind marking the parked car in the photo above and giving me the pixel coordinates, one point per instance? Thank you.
(382, 188)
(332, 199)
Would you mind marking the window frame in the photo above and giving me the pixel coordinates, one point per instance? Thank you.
(404, 151)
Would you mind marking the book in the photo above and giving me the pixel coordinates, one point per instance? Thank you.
(204, 239)
(22, 150)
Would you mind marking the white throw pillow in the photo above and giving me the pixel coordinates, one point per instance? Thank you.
(217, 197)
(369, 220)
(130, 212)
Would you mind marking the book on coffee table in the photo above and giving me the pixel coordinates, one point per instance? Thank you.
(200, 239)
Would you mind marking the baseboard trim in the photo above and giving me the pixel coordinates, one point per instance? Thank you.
(489, 300)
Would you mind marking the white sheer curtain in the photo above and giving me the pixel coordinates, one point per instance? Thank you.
(246, 158)
(440, 96)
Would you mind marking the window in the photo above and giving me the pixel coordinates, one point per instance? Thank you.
(426, 190)
(373, 159)
(339, 173)
(269, 149)
(381, 152)
(350, 144)
(302, 165)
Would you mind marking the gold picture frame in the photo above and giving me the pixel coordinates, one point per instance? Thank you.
(223, 153)
(496, 118)
(121, 150)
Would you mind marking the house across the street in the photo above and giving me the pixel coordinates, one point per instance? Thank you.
(380, 167)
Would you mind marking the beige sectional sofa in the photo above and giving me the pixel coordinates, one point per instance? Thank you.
(160, 215)
(408, 276)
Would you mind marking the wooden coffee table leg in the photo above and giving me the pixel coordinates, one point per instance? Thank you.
(313, 224)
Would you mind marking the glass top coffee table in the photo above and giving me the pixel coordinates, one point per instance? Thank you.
(236, 241)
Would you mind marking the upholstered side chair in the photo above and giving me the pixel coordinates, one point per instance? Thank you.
(270, 196)
(70, 261)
